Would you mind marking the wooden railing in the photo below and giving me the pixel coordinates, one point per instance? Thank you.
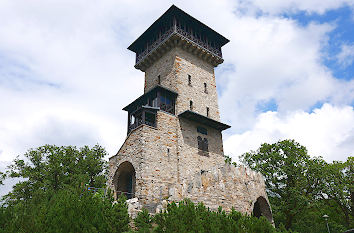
(139, 122)
(181, 32)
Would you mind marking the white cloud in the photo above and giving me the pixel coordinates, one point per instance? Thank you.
(346, 56)
(326, 132)
(276, 59)
(294, 6)
(65, 72)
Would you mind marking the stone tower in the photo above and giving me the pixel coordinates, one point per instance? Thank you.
(174, 149)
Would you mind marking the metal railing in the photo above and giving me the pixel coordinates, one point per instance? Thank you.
(127, 194)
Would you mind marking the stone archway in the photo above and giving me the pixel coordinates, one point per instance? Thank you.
(124, 180)
(262, 208)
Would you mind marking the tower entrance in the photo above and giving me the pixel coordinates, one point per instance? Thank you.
(261, 208)
(124, 180)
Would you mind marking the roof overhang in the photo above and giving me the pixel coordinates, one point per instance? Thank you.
(139, 100)
(193, 116)
(149, 47)
(172, 12)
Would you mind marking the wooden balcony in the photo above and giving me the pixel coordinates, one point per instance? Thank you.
(145, 115)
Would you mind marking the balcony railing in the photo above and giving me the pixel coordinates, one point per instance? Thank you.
(139, 122)
(183, 33)
(192, 38)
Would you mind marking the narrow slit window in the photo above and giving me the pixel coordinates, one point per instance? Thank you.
(205, 145)
(189, 80)
(200, 143)
(207, 111)
(191, 105)
(159, 79)
(205, 88)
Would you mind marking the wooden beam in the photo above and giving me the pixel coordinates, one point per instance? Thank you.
(191, 48)
(208, 55)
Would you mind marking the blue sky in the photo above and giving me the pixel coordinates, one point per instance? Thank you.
(65, 72)
(342, 34)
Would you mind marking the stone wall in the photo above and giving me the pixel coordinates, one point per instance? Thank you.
(169, 167)
(174, 68)
(153, 154)
(168, 164)
(201, 72)
(226, 186)
(166, 69)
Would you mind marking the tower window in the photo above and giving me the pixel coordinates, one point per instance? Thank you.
(159, 79)
(202, 130)
(203, 144)
(191, 105)
(205, 88)
(207, 110)
(200, 143)
(189, 80)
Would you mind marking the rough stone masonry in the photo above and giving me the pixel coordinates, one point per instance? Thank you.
(174, 148)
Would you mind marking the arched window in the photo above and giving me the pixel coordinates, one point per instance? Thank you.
(203, 146)
(205, 88)
(200, 143)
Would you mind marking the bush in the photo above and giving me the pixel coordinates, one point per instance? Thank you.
(188, 217)
(143, 221)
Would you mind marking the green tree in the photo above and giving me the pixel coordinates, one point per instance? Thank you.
(338, 189)
(302, 189)
(185, 216)
(292, 178)
(53, 194)
(51, 168)
(143, 221)
(2, 178)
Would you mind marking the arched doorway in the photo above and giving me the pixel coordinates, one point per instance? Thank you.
(124, 180)
(262, 208)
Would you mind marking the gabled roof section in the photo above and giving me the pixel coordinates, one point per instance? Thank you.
(193, 116)
(168, 16)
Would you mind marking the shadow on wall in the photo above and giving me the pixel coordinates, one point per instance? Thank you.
(190, 134)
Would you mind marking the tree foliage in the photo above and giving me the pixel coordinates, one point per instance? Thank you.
(302, 188)
(185, 216)
(143, 222)
(53, 194)
(51, 168)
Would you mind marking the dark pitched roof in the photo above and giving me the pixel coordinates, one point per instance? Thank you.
(140, 98)
(193, 116)
(172, 12)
